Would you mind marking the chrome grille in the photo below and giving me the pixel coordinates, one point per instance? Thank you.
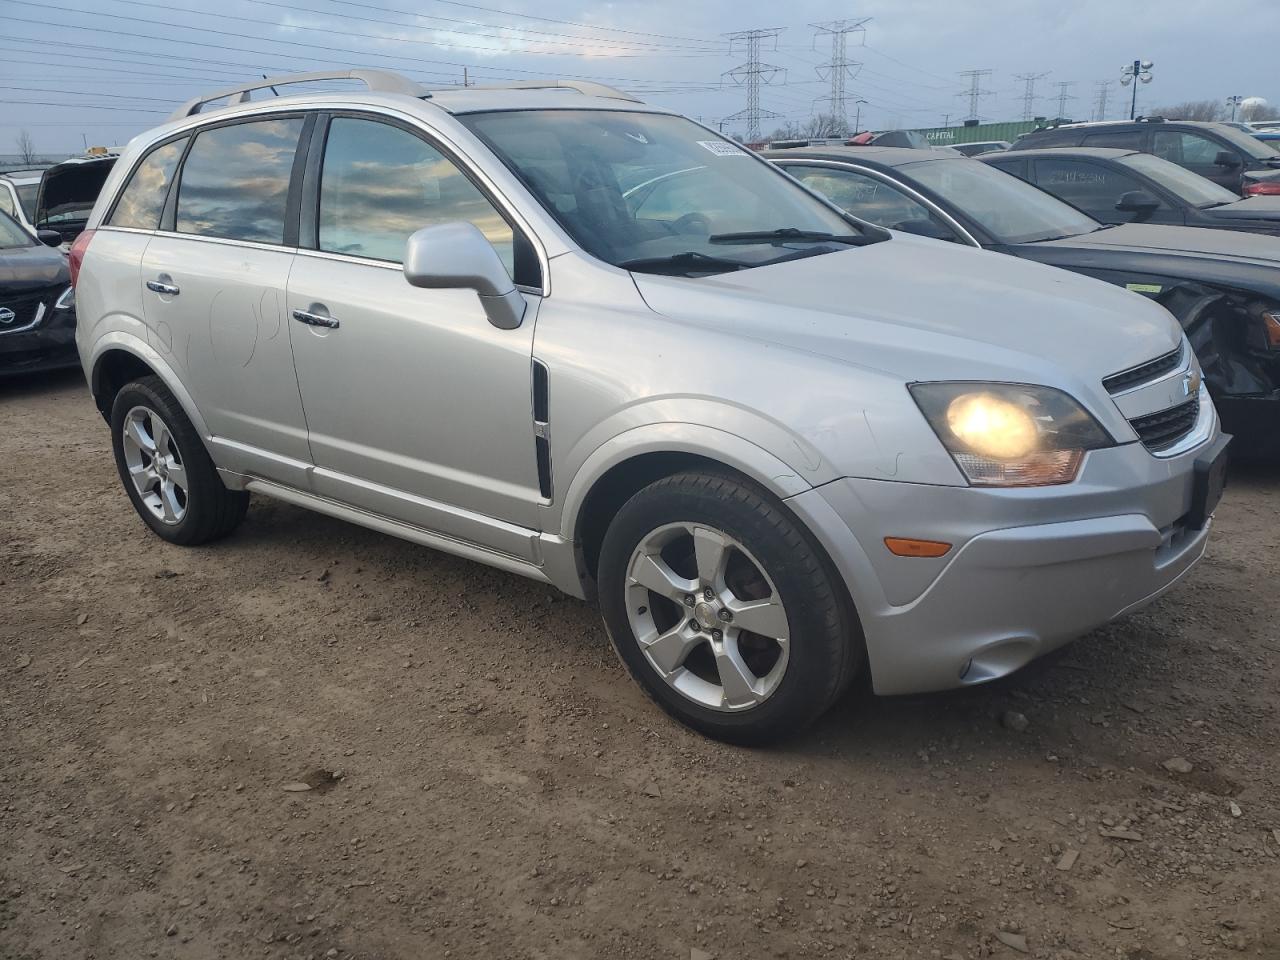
(1144, 372)
(1160, 431)
(25, 309)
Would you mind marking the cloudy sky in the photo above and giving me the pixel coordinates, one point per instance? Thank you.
(75, 72)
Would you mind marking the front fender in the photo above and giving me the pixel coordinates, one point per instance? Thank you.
(697, 439)
(132, 344)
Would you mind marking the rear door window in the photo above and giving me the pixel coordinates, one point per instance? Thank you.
(235, 181)
(142, 201)
(1093, 187)
(1125, 140)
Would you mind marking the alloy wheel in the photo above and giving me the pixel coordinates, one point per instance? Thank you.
(155, 465)
(707, 617)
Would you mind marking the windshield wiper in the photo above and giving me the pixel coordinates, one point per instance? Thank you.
(689, 261)
(787, 235)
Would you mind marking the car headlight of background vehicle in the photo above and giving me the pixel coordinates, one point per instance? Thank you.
(1010, 434)
(66, 300)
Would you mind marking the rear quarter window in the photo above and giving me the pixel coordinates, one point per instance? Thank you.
(142, 200)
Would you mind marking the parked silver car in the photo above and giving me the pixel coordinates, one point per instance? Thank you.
(775, 441)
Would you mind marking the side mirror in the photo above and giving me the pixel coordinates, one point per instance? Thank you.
(50, 238)
(1139, 202)
(1226, 158)
(457, 255)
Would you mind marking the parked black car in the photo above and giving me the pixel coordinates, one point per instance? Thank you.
(1229, 157)
(1223, 287)
(37, 306)
(1124, 186)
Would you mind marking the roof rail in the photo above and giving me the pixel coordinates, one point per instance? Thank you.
(587, 88)
(378, 81)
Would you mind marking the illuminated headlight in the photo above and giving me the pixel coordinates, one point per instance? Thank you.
(66, 300)
(1009, 434)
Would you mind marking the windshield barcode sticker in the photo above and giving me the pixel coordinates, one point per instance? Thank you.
(721, 149)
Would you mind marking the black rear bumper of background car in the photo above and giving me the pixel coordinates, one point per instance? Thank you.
(39, 339)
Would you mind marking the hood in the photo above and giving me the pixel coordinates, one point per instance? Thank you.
(922, 309)
(1252, 208)
(23, 269)
(1246, 261)
(68, 190)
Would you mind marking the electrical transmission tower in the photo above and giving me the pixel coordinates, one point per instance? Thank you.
(1029, 93)
(839, 68)
(975, 92)
(1063, 86)
(1100, 108)
(753, 74)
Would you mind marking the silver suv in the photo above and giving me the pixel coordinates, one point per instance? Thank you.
(776, 442)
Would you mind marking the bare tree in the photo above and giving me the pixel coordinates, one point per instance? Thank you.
(26, 147)
(824, 126)
(1193, 110)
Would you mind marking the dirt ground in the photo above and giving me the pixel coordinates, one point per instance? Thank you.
(486, 782)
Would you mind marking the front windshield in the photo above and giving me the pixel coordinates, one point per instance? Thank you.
(1191, 187)
(648, 191)
(1010, 209)
(11, 234)
(1246, 142)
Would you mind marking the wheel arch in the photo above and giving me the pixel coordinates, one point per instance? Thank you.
(119, 358)
(621, 467)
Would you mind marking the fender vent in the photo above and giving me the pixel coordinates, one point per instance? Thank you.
(542, 427)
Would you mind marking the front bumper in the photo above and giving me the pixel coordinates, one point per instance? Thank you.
(1030, 568)
(48, 344)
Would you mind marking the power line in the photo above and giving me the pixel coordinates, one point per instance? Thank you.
(752, 75)
(1029, 92)
(346, 51)
(839, 68)
(975, 92)
(714, 47)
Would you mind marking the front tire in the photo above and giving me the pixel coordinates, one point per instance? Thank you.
(724, 609)
(166, 470)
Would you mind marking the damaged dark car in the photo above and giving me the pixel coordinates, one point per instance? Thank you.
(1223, 286)
(67, 193)
(37, 305)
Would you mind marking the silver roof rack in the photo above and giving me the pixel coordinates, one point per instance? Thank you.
(587, 88)
(378, 81)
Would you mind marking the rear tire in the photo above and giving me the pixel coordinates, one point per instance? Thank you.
(166, 470)
(724, 609)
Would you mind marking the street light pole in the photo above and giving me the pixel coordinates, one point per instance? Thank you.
(1235, 103)
(1134, 73)
(857, 120)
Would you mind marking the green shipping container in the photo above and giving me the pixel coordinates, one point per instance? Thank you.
(946, 136)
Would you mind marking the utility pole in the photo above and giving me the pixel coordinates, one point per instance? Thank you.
(466, 80)
(1100, 108)
(857, 122)
(1235, 104)
(753, 74)
(1029, 92)
(1063, 86)
(839, 68)
(975, 91)
(1134, 73)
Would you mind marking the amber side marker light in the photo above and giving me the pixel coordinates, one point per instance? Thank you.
(908, 547)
